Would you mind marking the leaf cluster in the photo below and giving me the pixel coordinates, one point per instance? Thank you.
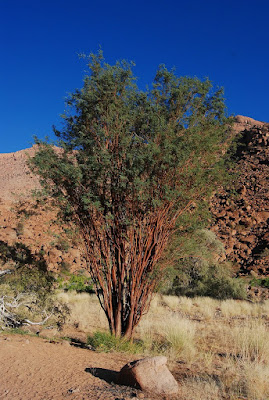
(125, 152)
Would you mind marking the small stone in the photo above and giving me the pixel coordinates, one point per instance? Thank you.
(76, 390)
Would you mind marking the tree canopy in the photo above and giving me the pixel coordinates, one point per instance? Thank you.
(129, 162)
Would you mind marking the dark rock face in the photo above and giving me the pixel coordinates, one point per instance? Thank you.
(242, 212)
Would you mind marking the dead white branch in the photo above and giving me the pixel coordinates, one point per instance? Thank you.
(5, 272)
(10, 319)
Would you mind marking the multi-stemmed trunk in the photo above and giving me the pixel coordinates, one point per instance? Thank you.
(124, 268)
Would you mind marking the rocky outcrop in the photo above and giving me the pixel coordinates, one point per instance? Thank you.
(241, 212)
(31, 223)
(36, 228)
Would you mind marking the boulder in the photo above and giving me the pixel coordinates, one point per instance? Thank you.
(149, 374)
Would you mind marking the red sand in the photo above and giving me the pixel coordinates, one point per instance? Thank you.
(35, 369)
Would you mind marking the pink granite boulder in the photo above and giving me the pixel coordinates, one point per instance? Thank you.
(149, 374)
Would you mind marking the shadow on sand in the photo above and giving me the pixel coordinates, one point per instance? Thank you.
(105, 374)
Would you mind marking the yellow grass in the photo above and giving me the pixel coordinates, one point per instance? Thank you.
(198, 389)
(224, 345)
(255, 377)
(85, 311)
(251, 342)
(173, 336)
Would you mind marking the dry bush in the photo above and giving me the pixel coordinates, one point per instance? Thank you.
(180, 337)
(207, 306)
(172, 302)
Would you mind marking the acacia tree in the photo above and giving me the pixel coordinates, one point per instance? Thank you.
(130, 162)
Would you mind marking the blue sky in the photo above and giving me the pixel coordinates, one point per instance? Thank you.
(226, 41)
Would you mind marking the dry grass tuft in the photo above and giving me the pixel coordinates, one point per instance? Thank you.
(173, 336)
(255, 378)
(85, 311)
(199, 389)
(251, 342)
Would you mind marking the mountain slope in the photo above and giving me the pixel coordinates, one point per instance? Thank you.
(242, 211)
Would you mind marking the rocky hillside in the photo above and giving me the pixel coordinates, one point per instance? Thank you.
(16, 181)
(23, 221)
(241, 213)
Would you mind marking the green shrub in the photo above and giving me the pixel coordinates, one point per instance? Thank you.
(64, 268)
(263, 282)
(105, 342)
(197, 278)
(220, 285)
(80, 283)
(29, 280)
(28, 294)
(18, 331)
(199, 273)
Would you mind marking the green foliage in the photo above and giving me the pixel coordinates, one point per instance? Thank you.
(195, 279)
(134, 146)
(18, 331)
(28, 271)
(263, 282)
(129, 163)
(29, 280)
(105, 342)
(79, 282)
(64, 267)
(198, 273)
(33, 291)
(202, 243)
(19, 255)
(29, 287)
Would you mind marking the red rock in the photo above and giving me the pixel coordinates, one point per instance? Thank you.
(149, 374)
(250, 212)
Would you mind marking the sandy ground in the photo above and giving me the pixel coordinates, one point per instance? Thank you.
(35, 369)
